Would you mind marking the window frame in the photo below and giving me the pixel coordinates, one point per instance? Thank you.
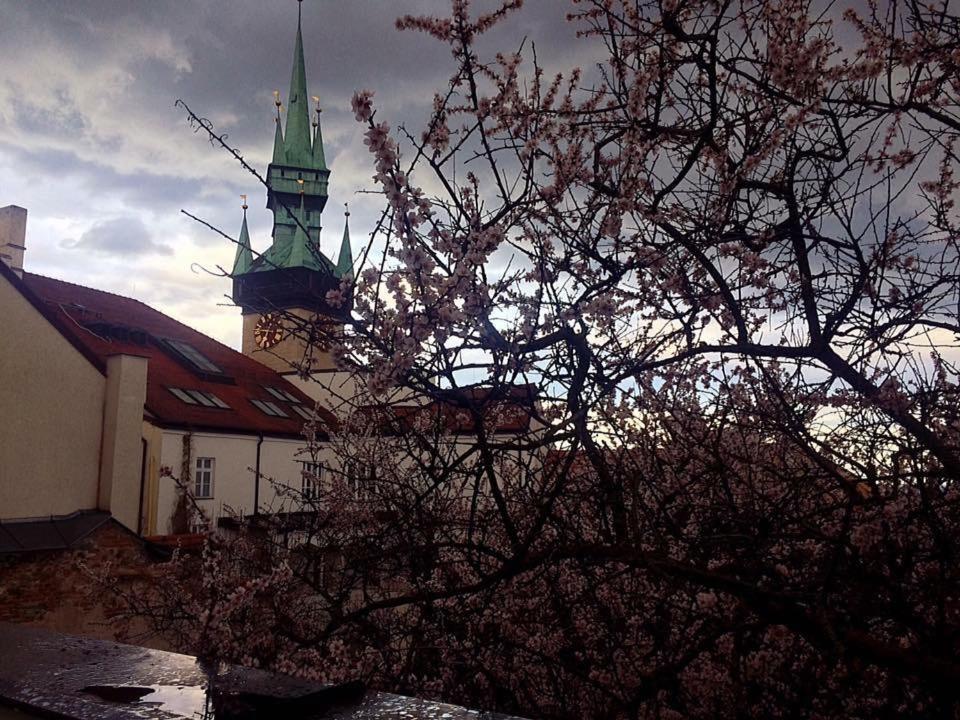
(210, 472)
(310, 486)
(199, 398)
(268, 408)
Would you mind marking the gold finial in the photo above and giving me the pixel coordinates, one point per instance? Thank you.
(300, 183)
(276, 98)
(244, 197)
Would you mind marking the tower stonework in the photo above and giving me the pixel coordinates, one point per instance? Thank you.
(283, 291)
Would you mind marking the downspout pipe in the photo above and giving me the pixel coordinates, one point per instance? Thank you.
(143, 480)
(256, 481)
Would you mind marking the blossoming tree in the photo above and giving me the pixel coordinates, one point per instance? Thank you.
(725, 263)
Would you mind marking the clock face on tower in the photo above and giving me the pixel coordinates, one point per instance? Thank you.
(268, 331)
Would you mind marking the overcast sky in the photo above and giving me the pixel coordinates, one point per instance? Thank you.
(92, 145)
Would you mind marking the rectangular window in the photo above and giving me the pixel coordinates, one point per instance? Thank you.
(311, 477)
(183, 396)
(281, 394)
(361, 479)
(199, 397)
(302, 412)
(188, 352)
(203, 478)
(199, 526)
(269, 408)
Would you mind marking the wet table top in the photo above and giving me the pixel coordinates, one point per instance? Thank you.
(57, 675)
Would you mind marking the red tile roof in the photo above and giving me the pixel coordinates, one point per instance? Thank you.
(512, 409)
(102, 324)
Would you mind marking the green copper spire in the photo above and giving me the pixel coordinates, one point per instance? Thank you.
(278, 153)
(297, 136)
(300, 253)
(319, 161)
(345, 259)
(244, 257)
(296, 178)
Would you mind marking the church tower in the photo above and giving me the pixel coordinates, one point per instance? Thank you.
(282, 292)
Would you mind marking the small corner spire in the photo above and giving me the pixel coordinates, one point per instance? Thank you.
(319, 160)
(279, 156)
(345, 259)
(243, 260)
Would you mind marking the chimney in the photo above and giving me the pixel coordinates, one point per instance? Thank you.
(13, 237)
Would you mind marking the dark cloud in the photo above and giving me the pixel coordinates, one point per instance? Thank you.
(123, 236)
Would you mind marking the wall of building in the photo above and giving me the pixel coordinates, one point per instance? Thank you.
(122, 453)
(51, 410)
(234, 482)
(50, 589)
(291, 352)
(13, 232)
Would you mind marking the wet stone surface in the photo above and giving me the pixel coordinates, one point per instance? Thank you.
(84, 678)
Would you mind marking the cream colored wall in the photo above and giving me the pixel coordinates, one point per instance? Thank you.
(154, 437)
(13, 232)
(234, 478)
(333, 390)
(51, 410)
(122, 449)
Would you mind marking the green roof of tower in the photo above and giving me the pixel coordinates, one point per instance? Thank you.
(297, 136)
(244, 257)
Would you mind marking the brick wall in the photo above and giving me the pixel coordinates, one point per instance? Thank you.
(51, 589)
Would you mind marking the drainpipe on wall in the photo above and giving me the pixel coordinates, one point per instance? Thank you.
(256, 481)
(143, 480)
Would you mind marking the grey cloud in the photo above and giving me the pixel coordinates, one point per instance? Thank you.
(122, 236)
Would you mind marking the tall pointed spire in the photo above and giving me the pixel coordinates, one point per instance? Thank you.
(300, 251)
(319, 161)
(297, 136)
(244, 256)
(345, 259)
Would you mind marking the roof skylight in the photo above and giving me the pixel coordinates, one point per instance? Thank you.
(194, 357)
(268, 408)
(199, 397)
(302, 412)
(281, 394)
